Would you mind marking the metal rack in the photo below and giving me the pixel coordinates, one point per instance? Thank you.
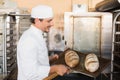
(2, 41)
(22, 23)
(10, 43)
(16, 24)
(115, 61)
(7, 43)
(12, 26)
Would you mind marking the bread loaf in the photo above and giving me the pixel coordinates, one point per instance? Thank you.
(91, 62)
(71, 58)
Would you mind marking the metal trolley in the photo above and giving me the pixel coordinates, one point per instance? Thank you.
(115, 62)
(12, 26)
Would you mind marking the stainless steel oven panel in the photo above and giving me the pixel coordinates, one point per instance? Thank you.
(86, 35)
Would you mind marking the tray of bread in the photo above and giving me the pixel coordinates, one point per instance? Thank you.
(87, 64)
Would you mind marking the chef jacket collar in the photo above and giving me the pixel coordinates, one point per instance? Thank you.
(36, 30)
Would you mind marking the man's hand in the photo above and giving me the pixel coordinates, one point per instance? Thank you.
(53, 57)
(59, 69)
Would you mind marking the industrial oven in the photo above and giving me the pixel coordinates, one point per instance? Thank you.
(85, 33)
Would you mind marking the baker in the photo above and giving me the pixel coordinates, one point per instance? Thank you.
(32, 52)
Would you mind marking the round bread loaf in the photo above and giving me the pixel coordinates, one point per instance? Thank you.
(91, 62)
(71, 58)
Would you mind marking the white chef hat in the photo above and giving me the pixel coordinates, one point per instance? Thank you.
(42, 11)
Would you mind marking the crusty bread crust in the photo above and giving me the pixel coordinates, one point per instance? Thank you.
(91, 62)
(71, 58)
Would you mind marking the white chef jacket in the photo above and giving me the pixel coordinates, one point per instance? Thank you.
(32, 55)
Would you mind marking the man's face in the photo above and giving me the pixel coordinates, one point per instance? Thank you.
(46, 24)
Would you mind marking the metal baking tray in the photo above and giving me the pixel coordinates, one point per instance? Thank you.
(104, 63)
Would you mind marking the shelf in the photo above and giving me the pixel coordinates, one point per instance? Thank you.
(19, 14)
(11, 48)
(10, 54)
(11, 22)
(118, 66)
(10, 35)
(10, 29)
(10, 51)
(11, 68)
(117, 54)
(117, 22)
(117, 33)
(11, 61)
(117, 42)
(13, 41)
